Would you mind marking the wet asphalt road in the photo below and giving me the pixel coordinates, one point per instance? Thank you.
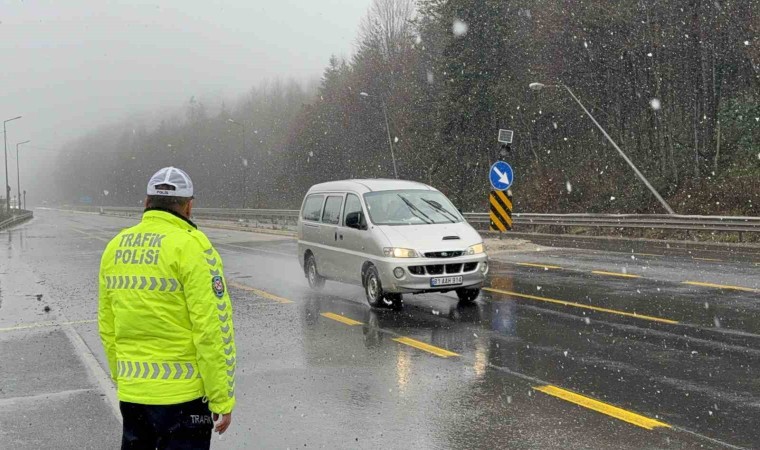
(569, 349)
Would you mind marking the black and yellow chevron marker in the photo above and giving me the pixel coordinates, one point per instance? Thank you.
(501, 210)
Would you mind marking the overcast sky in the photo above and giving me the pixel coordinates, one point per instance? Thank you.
(68, 66)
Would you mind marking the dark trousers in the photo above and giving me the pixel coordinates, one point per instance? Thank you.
(182, 426)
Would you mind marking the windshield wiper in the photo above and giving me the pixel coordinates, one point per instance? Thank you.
(444, 212)
(416, 211)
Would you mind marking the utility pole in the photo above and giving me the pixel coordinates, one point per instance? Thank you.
(18, 173)
(539, 86)
(388, 130)
(245, 161)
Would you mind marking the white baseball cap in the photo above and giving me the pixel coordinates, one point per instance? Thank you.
(171, 176)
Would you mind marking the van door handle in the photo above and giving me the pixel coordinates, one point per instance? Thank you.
(336, 235)
(340, 236)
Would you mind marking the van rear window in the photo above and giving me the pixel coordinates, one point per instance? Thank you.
(312, 208)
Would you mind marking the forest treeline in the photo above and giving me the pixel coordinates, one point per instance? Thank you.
(675, 84)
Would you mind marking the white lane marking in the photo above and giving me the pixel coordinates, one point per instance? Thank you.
(96, 371)
(5, 402)
(289, 255)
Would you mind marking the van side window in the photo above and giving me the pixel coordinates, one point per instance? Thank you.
(353, 205)
(331, 214)
(312, 208)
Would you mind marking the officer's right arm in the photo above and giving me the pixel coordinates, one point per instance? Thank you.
(106, 317)
(211, 316)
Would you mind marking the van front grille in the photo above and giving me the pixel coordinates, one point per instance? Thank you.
(453, 268)
(447, 254)
(436, 269)
(440, 269)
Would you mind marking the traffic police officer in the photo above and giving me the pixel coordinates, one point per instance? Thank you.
(165, 322)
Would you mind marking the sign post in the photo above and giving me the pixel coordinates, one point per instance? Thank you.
(501, 176)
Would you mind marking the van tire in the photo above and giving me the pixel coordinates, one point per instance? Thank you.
(467, 295)
(316, 281)
(373, 288)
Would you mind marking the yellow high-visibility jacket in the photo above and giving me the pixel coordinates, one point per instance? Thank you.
(165, 316)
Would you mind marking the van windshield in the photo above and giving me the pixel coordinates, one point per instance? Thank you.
(410, 207)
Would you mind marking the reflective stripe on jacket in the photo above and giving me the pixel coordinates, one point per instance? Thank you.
(165, 316)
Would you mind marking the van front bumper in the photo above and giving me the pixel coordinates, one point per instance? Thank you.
(417, 273)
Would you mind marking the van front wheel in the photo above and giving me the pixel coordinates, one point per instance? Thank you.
(316, 281)
(373, 288)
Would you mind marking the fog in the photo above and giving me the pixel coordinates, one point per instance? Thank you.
(69, 67)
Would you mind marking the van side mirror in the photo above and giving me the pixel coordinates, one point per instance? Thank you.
(356, 221)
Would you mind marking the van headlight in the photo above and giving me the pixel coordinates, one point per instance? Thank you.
(396, 252)
(475, 249)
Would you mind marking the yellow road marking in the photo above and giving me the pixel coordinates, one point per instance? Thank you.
(601, 407)
(615, 274)
(46, 324)
(721, 286)
(542, 266)
(707, 259)
(578, 305)
(442, 352)
(90, 234)
(341, 319)
(260, 293)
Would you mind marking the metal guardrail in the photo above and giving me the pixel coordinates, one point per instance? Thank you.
(16, 219)
(736, 224)
(286, 218)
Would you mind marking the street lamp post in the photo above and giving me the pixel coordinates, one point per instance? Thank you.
(539, 86)
(388, 130)
(7, 185)
(245, 162)
(18, 174)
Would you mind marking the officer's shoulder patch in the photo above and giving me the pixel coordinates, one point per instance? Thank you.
(217, 285)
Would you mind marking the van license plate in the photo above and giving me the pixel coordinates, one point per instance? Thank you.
(445, 281)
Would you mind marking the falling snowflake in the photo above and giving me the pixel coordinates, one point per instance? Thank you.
(311, 154)
(569, 187)
(395, 139)
(746, 42)
(430, 77)
(655, 104)
(459, 28)
(612, 199)
(245, 162)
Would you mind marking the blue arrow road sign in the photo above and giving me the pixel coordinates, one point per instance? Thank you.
(501, 176)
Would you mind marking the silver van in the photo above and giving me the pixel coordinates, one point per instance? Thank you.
(391, 237)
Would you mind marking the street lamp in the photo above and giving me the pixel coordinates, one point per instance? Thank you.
(539, 86)
(18, 175)
(387, 129)
(7, 187)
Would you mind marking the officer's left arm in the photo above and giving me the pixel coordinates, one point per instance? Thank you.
(211, 316)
